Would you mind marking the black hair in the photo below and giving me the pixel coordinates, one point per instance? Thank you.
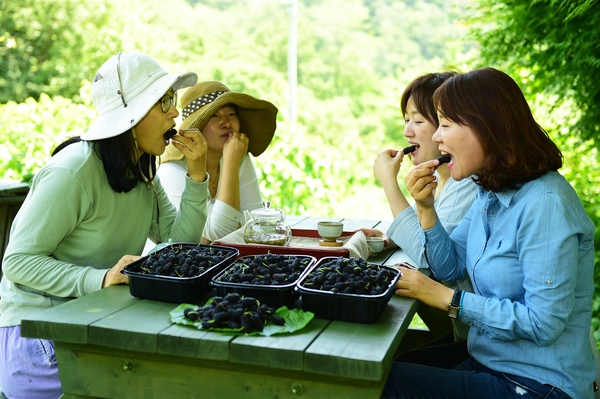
(421, 90)
(65, 143)
(117, 155)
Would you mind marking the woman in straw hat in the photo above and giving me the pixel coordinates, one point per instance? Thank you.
(92, 207)
(232, 124)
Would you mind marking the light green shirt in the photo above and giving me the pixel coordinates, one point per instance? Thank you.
(73, 227)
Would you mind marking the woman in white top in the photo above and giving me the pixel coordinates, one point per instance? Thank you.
(233, 124)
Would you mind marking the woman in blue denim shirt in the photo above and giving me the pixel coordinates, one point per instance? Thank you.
(527, 244)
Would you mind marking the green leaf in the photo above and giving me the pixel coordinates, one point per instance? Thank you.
(177, 316)
(295, 319)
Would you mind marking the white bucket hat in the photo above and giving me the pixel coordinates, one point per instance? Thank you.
(124, 90)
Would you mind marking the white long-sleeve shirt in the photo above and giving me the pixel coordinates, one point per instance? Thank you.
(222, 218)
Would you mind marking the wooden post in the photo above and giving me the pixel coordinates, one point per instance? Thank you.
(12, 195)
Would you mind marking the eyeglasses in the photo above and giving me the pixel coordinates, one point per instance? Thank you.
(166, 101)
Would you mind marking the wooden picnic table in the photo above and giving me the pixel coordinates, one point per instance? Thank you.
(110, 344)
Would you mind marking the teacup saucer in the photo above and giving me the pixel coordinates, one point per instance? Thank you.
(336, 243)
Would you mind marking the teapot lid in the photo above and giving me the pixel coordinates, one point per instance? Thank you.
(267, 211)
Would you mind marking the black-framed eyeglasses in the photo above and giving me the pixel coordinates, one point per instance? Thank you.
(166, 101)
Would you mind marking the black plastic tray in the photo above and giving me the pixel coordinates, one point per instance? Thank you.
(176, 289)
(341, 306)
(273, 295)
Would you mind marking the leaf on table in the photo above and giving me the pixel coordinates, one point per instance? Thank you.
(177, 317)
(295, 319)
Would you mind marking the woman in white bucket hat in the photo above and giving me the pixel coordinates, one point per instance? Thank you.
(234, 125)
(92, 207)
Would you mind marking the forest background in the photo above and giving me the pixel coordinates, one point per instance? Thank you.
(353, 60)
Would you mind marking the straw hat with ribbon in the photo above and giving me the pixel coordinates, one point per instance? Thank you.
(200, 102)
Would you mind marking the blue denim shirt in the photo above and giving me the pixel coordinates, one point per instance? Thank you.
(451, 205)
(530, 256)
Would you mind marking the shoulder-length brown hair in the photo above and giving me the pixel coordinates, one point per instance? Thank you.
(491, 103)
(421, 90)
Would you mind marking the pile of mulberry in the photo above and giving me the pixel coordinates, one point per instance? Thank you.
(180, 260)
(268, 269)
(234, 311)
(349, 276)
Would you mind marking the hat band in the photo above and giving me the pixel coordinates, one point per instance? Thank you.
(199, 103)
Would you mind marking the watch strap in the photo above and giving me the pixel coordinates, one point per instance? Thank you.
(454, 306)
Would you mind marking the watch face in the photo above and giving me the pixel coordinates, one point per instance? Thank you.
(453, 312)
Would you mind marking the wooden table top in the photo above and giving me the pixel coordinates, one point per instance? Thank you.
(108, 340)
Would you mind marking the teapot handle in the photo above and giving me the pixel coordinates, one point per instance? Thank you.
(247, 215)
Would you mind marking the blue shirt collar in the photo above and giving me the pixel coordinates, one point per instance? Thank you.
(504, 196)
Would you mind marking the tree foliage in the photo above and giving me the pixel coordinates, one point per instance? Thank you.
(553, 46)
(350, 76)
(51, 46)
(30, 130)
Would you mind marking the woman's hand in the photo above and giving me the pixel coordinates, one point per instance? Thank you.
(235, 149)
(193, 146)
(387, 165)
(372, 232)
(414, 284)
(420, 182)
(114, 276)
(386, 168)
(377, 233)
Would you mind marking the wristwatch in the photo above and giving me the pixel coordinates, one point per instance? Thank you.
(454, 306)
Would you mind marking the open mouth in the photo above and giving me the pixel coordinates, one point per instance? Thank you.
(409, 149)
(169, 135)
(444, 158)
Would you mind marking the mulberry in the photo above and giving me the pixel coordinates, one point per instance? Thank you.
(234, 311)
(350, 276)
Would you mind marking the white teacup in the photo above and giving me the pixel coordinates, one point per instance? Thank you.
(330, 231)
(376, 243)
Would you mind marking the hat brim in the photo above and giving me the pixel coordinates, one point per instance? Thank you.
(258, 118)
(121, 119)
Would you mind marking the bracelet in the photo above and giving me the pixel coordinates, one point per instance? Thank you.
(462, 294)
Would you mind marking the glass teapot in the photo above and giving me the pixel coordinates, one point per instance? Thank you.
(266, 225)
